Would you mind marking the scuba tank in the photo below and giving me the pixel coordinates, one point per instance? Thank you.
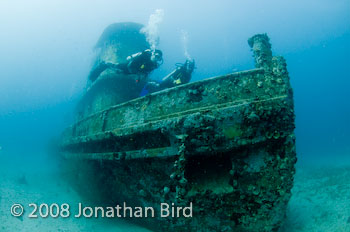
(181, 75)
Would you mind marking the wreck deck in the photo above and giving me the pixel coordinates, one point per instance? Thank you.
(115, 133)
(225, 144)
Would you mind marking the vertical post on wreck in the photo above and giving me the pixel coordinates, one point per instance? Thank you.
(261, 47)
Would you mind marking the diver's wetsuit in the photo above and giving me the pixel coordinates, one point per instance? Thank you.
(181, 75)
(139, 63)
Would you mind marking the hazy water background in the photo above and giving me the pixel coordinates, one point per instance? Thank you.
(46, 53)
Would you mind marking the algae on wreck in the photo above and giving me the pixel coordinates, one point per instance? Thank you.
(225, 144)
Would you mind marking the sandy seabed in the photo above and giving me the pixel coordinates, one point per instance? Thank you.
(49, 189)
(320, 201)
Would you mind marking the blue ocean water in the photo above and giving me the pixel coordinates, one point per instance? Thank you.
(46, 55)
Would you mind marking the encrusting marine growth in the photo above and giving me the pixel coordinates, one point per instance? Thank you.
(225, 144)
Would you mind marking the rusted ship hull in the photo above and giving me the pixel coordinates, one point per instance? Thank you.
(225, 144)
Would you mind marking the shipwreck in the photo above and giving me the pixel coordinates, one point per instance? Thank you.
(225, 144)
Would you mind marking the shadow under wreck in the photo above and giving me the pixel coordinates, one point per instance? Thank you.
(225, 144)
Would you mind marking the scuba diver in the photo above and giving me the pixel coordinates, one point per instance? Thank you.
(143, 63)
(180, 75)
(139, 63)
